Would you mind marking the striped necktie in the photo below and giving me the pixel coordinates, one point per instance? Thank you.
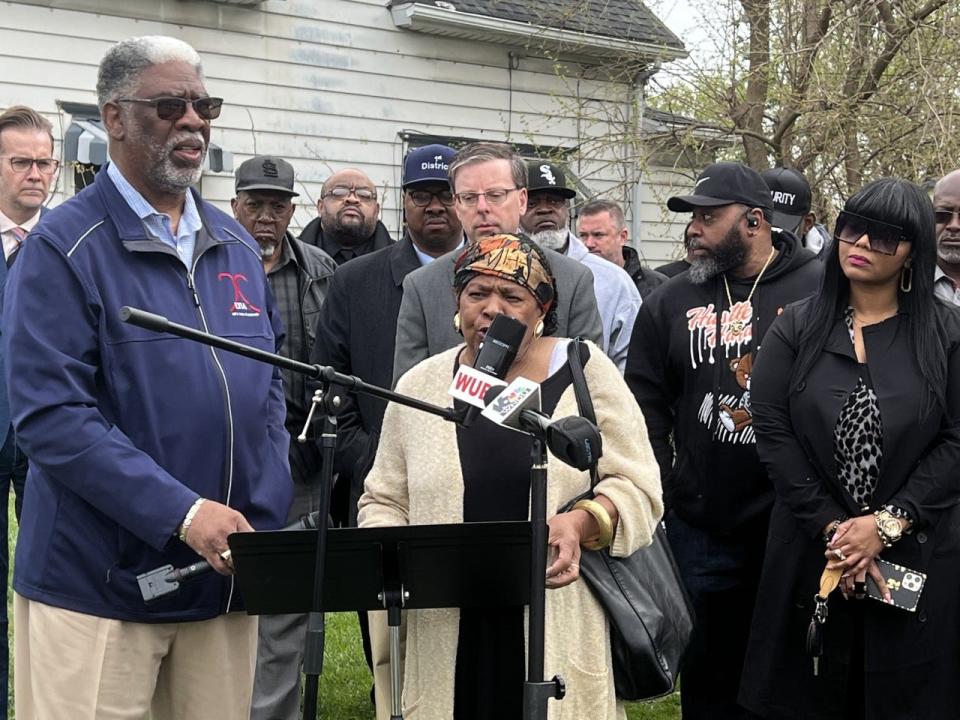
(19, 234)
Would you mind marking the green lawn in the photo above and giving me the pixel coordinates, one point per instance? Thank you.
(345, 683)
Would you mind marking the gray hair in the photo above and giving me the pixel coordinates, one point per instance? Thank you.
(595, 207)
(121, 67)
(479, 152)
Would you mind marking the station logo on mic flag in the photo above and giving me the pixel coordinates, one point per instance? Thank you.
(522, 394)
(471, 386)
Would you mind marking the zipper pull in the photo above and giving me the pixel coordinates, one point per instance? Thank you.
(193, 290)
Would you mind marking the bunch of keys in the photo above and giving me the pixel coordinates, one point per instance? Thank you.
(829, 581)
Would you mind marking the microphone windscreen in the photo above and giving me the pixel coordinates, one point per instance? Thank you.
(500, 345)
(496, 355)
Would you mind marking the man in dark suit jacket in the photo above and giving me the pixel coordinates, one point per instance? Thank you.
(25, 137)
(490, 181)
(358, 322)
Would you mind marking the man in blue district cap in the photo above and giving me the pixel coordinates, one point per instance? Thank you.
(358, 323)
(689, 367)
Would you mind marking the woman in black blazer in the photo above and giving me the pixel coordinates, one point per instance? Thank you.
(856, 408)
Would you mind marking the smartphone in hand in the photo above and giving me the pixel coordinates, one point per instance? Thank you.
(904, 584)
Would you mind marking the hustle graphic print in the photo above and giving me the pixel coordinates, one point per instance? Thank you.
(736, 338)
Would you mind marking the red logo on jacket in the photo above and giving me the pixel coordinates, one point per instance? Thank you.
(241, 306)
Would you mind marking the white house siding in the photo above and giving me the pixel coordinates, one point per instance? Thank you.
(324, 83)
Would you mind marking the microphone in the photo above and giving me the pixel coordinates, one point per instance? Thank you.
(574, 440)
(497, 353)
(144, 319)
(165, 580)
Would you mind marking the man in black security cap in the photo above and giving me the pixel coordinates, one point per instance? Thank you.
(689, 367)
(792, 202)
(299, 276)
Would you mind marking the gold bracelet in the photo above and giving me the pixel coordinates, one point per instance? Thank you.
(602, 517)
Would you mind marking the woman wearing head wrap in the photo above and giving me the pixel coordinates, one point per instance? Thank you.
(471, 663)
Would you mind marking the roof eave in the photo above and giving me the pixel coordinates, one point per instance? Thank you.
(453, 23)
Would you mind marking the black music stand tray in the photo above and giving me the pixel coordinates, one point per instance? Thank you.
(392, 568)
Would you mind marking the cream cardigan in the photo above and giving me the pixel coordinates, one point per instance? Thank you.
(416, 479)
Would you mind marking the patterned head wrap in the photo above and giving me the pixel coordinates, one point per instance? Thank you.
(511, 257)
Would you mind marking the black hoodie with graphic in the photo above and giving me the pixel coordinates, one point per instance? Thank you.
(695, 391)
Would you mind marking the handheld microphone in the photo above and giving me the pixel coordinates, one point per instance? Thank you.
(497, 353)
(165, 580)
(574, 440)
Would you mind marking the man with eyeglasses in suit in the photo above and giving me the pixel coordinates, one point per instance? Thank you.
(347, 226)
(489, 182)
(27, 169)
(946, 210)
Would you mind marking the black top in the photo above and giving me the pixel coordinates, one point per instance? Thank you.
(690, 371)
(313, 234)
(496, 487)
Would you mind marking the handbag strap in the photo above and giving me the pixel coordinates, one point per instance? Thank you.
(575, 352)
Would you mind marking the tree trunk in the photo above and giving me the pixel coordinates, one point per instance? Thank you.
(758, 82)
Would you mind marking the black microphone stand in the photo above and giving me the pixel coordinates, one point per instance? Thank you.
(537, 691)
(330, 398)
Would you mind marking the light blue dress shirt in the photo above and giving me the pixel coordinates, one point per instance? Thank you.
(158, 225)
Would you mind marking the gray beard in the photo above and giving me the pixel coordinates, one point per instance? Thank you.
(730, 253)
(161, 170)
(702, 269)
(267, 249)
(551, 239)
(951, 256)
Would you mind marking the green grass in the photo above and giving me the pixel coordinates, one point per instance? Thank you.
(345, 682)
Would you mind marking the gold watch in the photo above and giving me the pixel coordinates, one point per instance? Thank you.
(889, 527)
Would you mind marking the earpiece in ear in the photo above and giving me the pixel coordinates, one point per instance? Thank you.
(752, 221)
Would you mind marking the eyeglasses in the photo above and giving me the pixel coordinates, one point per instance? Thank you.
(48, 166)
(422, 198)
(547, 198)
(494, 197)
(174, 108)
(943, 217)
(342, 192)
(884, 237)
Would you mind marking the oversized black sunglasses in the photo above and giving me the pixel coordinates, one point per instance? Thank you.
(174, 108)
(884, 237)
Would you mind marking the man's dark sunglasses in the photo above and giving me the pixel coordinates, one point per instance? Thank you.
(174, 108)
(943, 217)
(422, 198)
(884, 237)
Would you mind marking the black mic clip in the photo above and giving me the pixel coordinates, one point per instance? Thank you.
(575, 441)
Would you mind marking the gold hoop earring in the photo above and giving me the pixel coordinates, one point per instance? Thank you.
(456, 322)
(538, 329)
(906, 279)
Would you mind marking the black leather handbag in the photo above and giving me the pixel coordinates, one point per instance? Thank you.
(650, 615)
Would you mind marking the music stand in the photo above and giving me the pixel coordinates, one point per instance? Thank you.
(392, 568)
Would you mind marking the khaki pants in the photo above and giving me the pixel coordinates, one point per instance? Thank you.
(80, 667)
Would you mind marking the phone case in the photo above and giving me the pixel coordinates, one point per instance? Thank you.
(905, 585)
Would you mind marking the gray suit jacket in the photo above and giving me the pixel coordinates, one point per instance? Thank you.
(425, 325)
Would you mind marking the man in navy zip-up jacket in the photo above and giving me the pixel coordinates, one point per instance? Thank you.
(146, 449)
